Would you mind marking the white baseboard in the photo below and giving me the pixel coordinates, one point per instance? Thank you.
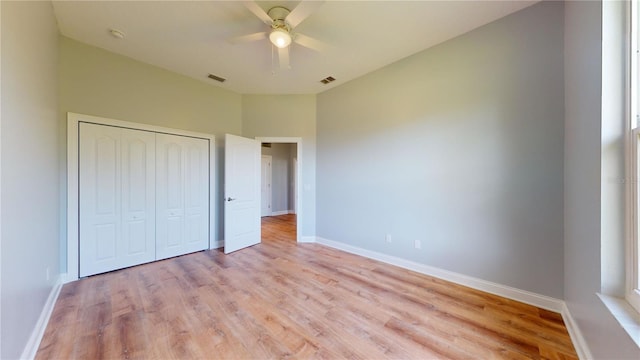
(216, 244)
(541, 301)
(527, 297)
(579, 342)
(33, 344)
(278, 213)
(307, 239)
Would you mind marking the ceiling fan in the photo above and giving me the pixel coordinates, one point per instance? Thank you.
(282, 23)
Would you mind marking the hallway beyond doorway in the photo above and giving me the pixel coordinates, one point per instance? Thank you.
(279, 228)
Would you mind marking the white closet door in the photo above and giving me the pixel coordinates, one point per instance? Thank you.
(117, 189)
(182, 196)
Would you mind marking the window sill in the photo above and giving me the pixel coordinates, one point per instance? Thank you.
(627, 316)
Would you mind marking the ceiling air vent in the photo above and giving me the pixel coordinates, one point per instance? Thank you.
(216, 78)
(327, 80)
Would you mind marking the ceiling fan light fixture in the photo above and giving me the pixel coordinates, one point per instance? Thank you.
(280, 38)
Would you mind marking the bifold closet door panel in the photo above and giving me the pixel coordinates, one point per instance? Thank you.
(117, 198)
(182, 195)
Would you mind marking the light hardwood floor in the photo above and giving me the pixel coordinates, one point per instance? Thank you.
(280, 299)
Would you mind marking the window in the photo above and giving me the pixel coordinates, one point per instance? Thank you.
(633, 165)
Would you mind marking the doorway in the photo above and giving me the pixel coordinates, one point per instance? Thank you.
(265, 185)
(280, 176)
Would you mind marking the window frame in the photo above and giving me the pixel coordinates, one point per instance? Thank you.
(632, 157)
(633, 279)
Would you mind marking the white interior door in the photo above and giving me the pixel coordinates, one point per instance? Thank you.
(265, 185)
(242, 193)
(182, 196)
(117, 207)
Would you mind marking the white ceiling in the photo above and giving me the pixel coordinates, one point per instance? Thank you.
(190, 37)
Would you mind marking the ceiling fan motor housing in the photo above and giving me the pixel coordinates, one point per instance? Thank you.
(279, 14)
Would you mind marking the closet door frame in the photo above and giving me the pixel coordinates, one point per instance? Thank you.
(73, 121)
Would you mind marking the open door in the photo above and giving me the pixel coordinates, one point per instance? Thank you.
(241, 193)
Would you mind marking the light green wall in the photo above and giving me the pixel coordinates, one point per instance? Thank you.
(288, 116)
(97, 82)
(419, 137)
(459, 146)
(30, 168)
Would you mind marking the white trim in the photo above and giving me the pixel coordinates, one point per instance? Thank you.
(73, 120)
(308, 239)
(295, 185)
(578, 340)
(31, 348)
(632, 95)
(278, 213)
(632, 217)
(63, 278)
(526, 297)
(216, 244)
(625, 314)
(298, 142)
(270, 192)
(213, 189)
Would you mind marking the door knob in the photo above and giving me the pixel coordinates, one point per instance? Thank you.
(230, 199)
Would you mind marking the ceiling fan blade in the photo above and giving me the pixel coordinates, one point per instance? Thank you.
(248, 38)
(302, 11)
(258, 11)
(310, 42)
(283, 58)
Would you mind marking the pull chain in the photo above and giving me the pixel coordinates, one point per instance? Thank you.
(273, 67)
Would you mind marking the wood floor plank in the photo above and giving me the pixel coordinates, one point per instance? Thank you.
(279, 299)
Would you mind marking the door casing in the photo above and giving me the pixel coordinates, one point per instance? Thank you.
(266, 194)
(298, 176)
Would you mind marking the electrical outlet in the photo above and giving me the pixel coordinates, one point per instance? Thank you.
(417, 244)
(388, 238)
